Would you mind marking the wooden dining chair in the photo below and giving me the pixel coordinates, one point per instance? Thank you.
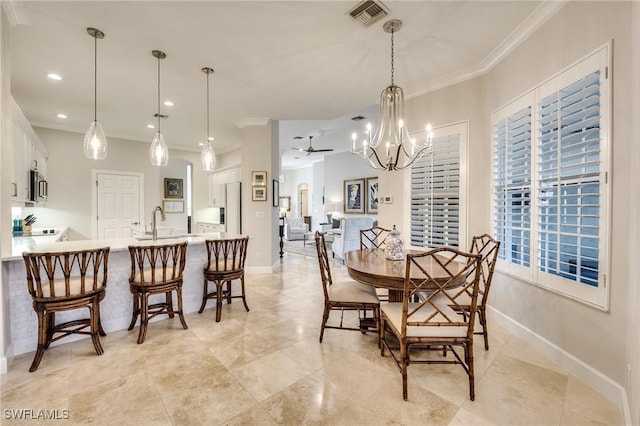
(488, 248)
(345, 296)
(373, 238)
(156, 269)
(64, 281)
(225, 262)
(442, 277)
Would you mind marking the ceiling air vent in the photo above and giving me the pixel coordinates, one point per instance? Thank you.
(368, 12)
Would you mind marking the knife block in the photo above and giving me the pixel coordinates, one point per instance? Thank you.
(26, 229)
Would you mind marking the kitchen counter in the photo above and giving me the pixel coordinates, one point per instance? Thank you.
(116, 308)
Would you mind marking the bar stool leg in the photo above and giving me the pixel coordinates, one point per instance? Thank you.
(244, 299)
(42, 340)
(94, 314)
(136, 310)
(169, 302)
(219, 285)
(205, 295)
(144, 317)
(50, 318)
(228, 292)
(180, 312)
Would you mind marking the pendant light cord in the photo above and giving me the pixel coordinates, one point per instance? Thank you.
(208, 108)
(158, 95)
(95, 78)
(392, 61)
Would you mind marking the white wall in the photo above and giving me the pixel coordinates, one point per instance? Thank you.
(339, 167)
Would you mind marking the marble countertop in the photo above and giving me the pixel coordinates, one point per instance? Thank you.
(49, 244)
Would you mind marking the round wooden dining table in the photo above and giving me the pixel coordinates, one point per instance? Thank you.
(371, 267)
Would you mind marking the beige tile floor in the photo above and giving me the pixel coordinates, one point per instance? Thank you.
(266, 367)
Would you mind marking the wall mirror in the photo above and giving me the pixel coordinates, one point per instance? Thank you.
(285, 203)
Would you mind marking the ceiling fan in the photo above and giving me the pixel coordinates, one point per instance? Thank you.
(311, 150)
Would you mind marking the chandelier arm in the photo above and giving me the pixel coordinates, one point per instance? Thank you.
(413, 160)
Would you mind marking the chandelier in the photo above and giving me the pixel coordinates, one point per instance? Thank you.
(391, 147)
(208, 155)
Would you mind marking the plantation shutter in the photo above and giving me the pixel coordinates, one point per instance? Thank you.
(435, 195)
(569, 181)
(512, 186)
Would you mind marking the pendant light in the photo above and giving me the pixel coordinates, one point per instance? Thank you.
(208, 155)
(95, 141)
(159, 152)
(391, 148)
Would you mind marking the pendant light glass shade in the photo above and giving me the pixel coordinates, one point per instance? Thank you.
(208, 155)
(391, 147)
(95, 141)
(159, 152)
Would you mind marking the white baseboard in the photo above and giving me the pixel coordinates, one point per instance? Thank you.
(594, 378)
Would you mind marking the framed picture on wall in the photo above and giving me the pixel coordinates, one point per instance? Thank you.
(354, 196)
(173, 206)
(258, 193)
(173, 188)
(371, 206)
(259, 178)
(285, 203)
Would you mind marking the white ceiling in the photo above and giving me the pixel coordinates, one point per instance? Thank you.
(306, 63)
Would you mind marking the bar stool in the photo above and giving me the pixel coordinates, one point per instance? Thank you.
(226, 258)
(156, 269)
(64, 281)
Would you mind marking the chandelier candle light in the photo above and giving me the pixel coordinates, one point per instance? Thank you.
(208, 155)
(391, 148)
(159, 152)
(95, 141)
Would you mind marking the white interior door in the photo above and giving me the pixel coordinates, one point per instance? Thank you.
(304, 202)
(118, 204)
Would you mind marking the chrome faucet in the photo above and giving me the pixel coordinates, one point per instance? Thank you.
(153, 216)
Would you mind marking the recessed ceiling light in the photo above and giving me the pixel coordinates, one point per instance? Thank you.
(201, 143)
(151, 126)
(210, 138)
(61, 115)
(168, 103)
(53, 76)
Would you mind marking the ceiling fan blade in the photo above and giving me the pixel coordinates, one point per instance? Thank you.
(323, 150)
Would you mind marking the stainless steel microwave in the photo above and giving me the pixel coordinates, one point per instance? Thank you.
(39, 187)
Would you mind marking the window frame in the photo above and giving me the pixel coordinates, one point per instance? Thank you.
(597, 297)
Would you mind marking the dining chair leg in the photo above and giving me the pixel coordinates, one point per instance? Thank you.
(136, 311)
(325, 317)
(219, 286)
(483, 323)
(469, 360)
(180, 310)
(405, 393)
(244, 298)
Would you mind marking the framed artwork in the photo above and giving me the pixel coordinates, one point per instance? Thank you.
(258, 193)
(276, 193)
(259, 178)
(354, 196)
(173, 188)
(173, 206)
(285, 203)
(371, 205)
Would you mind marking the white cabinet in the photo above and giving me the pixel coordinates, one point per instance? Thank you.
(206, 228)
(217, 184)
(28, 154)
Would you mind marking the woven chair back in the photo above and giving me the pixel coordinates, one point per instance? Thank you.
(158, 263)
(442, 280)
(226, 255)
(323, 262)
(488, 248)
(62, 275)
(373, 238)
